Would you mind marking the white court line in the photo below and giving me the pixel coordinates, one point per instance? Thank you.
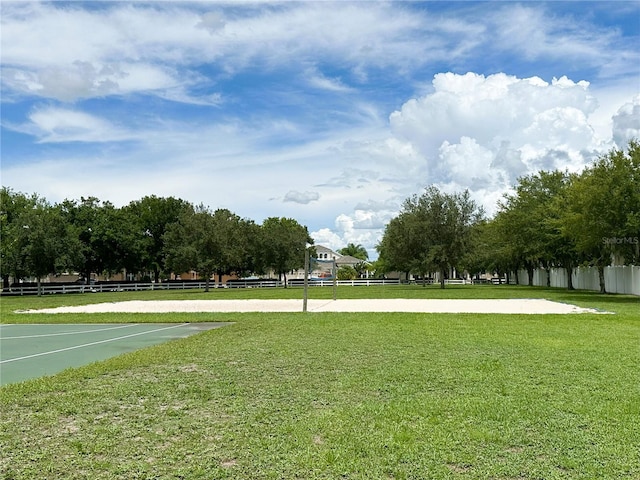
(90, 344)
(70, 333)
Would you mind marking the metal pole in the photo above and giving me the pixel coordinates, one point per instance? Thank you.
(306, 279)
(335, 277)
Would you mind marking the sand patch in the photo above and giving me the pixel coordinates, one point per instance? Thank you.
(505, 306)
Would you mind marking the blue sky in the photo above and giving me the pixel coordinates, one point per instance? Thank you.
(331, 113)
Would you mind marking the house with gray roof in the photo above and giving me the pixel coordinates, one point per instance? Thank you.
(322, 263)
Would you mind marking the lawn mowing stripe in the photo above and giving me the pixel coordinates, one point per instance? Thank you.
(92, 343)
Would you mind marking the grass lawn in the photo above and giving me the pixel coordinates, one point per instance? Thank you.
(334, 395)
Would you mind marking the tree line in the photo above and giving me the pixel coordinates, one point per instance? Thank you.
(552, 219)
(152, 236)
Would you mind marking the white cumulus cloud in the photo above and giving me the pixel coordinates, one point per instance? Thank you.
(479, 133)
(626, 123)
(482, 132)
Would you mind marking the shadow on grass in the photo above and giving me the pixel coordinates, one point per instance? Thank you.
(613, 299)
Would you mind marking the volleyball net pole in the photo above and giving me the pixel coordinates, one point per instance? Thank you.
(313, 264)
(334, 274)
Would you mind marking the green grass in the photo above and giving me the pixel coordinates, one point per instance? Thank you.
(376, 396)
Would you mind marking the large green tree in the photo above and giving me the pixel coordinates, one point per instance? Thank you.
(154, 215)
(530, 221)
(232, 242)
(477, 258)
(47, 245)
(210, 243)
(282, 245)
(13, 205)
(502, 255)
(398, 247)
(107, 236)
(432, 233)
(189, 244)
(602, 215)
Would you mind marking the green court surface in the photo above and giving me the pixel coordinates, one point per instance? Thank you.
(30, 351)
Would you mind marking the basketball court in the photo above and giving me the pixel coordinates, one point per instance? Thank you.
(30, 351)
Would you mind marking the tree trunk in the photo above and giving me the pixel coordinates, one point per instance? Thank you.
(39, 287)
(285, 279)
(601, 279)
(517, 277)
(569, 270)
(442, 277)
(5, 282)
(548, 277)
(156, 274)
(206, 283)
(530, 274)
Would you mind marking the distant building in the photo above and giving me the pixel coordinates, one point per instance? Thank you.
(322, 267)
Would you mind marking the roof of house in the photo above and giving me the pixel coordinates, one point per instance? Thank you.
(340, 259)
(347, 260)
(323, 249)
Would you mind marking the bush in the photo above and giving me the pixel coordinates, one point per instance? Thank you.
(347, 272)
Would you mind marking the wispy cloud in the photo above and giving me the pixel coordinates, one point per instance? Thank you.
(317, 80)
(62, 125)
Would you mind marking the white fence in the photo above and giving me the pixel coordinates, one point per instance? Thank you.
(617, 279)
(53, 288)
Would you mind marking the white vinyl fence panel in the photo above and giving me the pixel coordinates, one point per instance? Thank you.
(617, 279)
